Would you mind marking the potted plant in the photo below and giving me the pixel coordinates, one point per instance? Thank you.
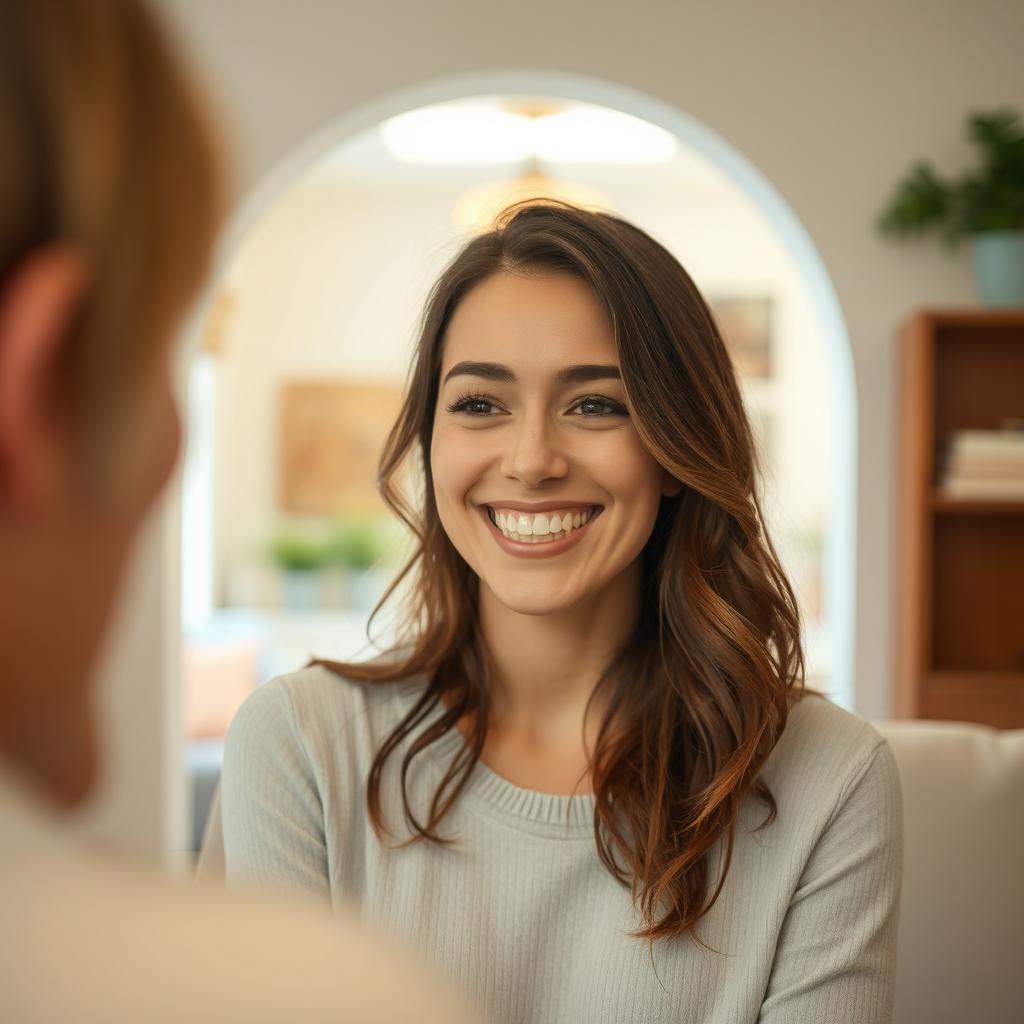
(300, 558)
(986, 206)
(359, 545)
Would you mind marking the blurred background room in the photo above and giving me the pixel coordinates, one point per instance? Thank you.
(845, 184)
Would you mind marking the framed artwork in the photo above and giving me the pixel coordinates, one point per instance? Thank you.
(746, 327)
(330, 439)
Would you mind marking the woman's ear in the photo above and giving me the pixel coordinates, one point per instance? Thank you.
(670, 486)
(38, 304)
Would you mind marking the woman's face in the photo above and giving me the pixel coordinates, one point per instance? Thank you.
(540, 478)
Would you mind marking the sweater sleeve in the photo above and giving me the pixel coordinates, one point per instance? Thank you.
(273, 817)
(836, 955)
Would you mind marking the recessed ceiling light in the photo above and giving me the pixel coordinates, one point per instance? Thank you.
(475, 132)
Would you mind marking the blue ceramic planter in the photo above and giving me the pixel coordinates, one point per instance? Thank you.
(998, 258)
(300, 589)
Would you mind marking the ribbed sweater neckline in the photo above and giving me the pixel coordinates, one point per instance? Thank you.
(487, 792)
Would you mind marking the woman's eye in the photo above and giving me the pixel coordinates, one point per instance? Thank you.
(481, 406)
(473, 405)
(595, 406)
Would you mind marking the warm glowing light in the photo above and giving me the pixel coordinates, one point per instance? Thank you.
(477, 209)
(600, 136)
(457, 133)
(483, 132)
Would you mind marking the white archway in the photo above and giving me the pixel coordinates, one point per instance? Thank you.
(840, 548)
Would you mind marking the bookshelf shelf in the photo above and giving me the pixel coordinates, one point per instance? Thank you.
(959, 650)
(961, 680)
(958, 695)
(945, 506)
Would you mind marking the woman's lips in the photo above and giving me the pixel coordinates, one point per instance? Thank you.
(544, 549)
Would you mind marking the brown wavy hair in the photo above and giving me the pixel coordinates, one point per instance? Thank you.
(699, 695)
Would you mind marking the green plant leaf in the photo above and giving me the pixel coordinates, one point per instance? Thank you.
(999, 136)
(921, 200)
(359, 543)
(293, 552)
(989, 199)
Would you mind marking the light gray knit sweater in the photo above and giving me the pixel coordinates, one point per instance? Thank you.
(521, 913)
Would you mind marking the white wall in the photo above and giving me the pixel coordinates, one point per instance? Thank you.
(830, 101)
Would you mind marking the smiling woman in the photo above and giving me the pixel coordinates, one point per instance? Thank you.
(541, 446)
(600, 692)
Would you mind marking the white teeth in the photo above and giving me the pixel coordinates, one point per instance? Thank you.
(540, 528)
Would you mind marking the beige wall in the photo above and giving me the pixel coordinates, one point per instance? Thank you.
(830, 101)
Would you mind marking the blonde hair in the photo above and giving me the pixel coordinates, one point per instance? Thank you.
(105, 147)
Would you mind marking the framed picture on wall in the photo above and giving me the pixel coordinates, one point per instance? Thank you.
(746, 326)
(331, 436)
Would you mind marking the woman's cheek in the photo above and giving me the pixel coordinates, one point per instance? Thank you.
(646, 467)
(455, 463)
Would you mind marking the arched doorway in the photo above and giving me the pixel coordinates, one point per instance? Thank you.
(839, 537)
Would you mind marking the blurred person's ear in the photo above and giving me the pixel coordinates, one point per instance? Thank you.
(38, 307)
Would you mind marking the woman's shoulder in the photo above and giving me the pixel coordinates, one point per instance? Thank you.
(824, 747)
(318, 708)
(814, 720)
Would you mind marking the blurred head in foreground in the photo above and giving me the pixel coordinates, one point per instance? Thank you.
(109, 198)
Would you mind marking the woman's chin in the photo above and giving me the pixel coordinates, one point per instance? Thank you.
(534, 600)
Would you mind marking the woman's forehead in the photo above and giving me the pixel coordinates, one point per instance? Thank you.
(545, 322)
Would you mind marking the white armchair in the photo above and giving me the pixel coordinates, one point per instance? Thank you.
(961, 932)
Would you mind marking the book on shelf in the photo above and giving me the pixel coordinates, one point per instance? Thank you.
(988, 469)
(987, 442)
(983, 464)
(982, 490)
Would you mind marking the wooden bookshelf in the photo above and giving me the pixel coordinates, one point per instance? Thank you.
(959, 610)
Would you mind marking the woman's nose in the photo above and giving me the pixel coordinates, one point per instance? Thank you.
(535, 452)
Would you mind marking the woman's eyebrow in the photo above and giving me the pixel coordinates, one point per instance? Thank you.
(581, 373)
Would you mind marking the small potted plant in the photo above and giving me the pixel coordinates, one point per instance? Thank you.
(359, 546)
(300, 558)
(986, 206)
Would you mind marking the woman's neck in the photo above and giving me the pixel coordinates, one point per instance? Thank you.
(545, 667)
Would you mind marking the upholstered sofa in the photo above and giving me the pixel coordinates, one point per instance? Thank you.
(961, 932)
